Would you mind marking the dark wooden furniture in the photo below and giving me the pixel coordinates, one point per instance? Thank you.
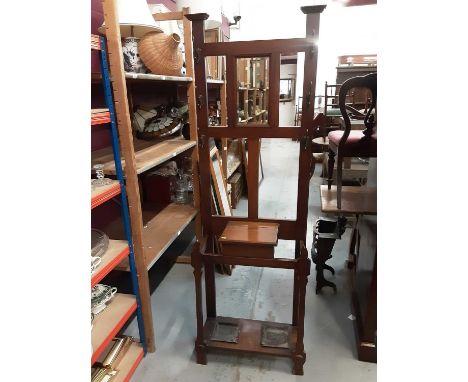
(364, 287)
(326, 232)
(238, 334)
(236, 182)
(355, 100)
(352, 143)
(249, 239)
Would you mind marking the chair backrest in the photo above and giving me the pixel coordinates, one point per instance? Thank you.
(368, 81)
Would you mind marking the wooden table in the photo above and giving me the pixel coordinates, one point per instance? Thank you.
(364, 288)
(354, 200)
(361, 202)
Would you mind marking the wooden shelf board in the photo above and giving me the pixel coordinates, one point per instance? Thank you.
(161, 231)
(147, 154)
(108, 323)
(102, 194)
(249, 339)
(212, 81)
(184, 259)
(116, 252)
(354, 200)
(161, 226)
(156, 77)
(233, 166)
(129, 363)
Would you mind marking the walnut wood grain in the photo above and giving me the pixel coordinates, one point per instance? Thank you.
(255, 233)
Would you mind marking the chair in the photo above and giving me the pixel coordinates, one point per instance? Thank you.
(352, 143)
(354, 102)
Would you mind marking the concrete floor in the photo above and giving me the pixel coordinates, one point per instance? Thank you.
(263, 294)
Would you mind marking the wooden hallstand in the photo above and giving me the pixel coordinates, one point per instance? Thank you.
(251, 241)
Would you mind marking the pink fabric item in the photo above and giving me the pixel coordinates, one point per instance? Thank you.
(356, 144)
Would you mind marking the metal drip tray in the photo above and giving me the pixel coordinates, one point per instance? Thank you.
(226, 331)
(275, 335)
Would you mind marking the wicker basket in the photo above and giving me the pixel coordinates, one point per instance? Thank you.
(161, 54)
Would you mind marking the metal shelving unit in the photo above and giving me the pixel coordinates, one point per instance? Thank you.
(152, 230)
(122, 307)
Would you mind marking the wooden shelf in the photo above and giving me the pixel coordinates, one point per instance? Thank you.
(129, 363)
(212, 81)
(249, 338)
(108, 323)
(100, 116)
(156, 77)
(147, 154)
(161, 231)
(233, 166)
(354, 200)
(101, 194)
(161, 226)
(116, 252)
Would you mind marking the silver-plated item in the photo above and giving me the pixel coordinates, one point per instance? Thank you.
(95, 261)
(101, 296)
(100, 179)
(99, 242)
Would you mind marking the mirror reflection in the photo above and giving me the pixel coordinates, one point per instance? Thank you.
(253, 88)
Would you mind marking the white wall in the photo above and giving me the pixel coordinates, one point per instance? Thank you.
(287, 109)
(343, 30)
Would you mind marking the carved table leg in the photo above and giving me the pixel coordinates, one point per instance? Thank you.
(322, 281)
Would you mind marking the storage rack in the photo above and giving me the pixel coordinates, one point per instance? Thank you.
(228, 146)
(122, 307)
(153, 228)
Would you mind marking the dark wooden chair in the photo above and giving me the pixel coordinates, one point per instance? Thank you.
(353, 104)
(352, 143)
